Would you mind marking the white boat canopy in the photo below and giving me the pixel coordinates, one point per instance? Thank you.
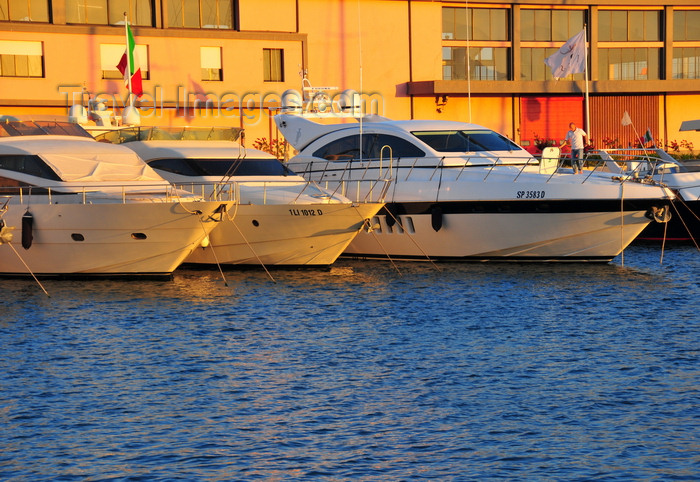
(82, 159)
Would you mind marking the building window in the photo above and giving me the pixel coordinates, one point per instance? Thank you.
(546, 26)
(474, 23)
(111, 54)
(550, 25)
(686, 63)
(109, 12)
(210, 59)
(485, 63)
(200, 13)
(24, 11)
(488, 57)
(629, 26)
(629, 64)
(273, 65)
(21, 59)
(686, 25)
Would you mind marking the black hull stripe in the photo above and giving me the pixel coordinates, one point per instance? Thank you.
(481, 259)
(522, 206)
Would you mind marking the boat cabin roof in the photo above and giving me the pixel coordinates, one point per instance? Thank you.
(77, 159)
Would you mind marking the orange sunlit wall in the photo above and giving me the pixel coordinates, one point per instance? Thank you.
(549, 117)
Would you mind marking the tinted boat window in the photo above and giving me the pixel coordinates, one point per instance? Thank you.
(176, 166)
(399, 147)
(222, 167)
(348, 148)
(466, 141)
(241, 167)
(28, 164)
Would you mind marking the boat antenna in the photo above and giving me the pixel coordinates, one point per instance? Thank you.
(585, 64)
(359, 37)
(469, 68)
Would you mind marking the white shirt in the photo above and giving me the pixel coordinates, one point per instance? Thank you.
(576, 138)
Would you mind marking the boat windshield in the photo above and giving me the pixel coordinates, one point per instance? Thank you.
(222, 167)
(466, 141)
(10, 128)
(153, 133)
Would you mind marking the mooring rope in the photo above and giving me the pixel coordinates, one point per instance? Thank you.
(29, 270)
(420, 248)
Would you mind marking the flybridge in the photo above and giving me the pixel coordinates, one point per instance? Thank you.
(318, 102)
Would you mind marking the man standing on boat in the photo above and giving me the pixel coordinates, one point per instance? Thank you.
(577, 139)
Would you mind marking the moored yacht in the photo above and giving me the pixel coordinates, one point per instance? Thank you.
(280, 219)
(461, 191)
(75, 207)
(683, 216)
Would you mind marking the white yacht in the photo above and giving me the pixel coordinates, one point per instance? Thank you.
(461, 191)
(280, 219)
(74, 207)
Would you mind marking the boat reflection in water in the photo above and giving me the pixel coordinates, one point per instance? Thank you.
(85, 208)
(463, 192)
(280, 219)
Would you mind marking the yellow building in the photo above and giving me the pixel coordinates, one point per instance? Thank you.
(228, 62)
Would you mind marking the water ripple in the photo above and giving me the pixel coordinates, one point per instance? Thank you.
(473, 372)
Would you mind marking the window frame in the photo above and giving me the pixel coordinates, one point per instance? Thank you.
(187, 9)
(26, 52)
(43, 9)
(273, 73)
(109, 7)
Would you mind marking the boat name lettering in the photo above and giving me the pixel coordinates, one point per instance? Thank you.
(529, 195)
(306, 212)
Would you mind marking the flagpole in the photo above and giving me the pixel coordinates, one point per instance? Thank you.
(128, 59)
(627, 121)
(588, 107)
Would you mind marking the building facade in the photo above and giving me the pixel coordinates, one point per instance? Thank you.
(229, 62)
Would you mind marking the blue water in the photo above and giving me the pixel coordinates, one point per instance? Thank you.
(363, 372)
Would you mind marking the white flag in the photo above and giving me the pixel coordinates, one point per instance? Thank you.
(570, 58)
(626, 119)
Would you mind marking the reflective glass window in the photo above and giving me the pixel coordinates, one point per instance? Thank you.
(200, 13)
(686, 63)
(466, 141)
(629, 64)
(686, 25)
(24, 11)
(475, 23)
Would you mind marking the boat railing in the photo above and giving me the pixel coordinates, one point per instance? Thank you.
(360, 190)
(638, 162)
(450, 168)
(290, 192)
(108, 193)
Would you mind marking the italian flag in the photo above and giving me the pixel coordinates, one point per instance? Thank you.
(128, 65)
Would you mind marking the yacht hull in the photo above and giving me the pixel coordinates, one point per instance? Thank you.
(285, 234)
(515, 236)
(111, 239)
